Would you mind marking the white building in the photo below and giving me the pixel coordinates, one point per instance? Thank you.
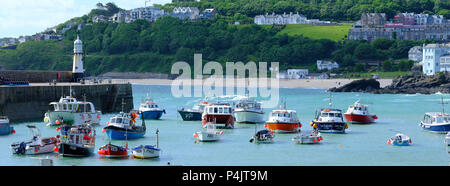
(191, 13)
(415, 53)
(328, 65)
(297, 73)
(435, 58)
(281, 19)
(148, 13)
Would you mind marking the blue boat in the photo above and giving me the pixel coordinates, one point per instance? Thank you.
(5, 127)
(399, 140)
(150, 110)
(123, 127)
(438, 122)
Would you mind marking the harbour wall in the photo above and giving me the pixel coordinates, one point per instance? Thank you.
(29, 103)
(37, 76)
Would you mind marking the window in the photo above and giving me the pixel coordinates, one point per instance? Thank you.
(220, 110)
(215, 109)
(119, 120)
(210, 110)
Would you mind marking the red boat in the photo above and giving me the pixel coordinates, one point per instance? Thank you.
(220, 113)
(358, 113)
(113, 151)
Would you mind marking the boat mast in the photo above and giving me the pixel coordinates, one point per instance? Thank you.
(157, 140)
(442, 102)
(331, 101)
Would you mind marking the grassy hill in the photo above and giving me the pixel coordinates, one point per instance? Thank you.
(331, 32)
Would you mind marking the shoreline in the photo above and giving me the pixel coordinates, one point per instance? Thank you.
(283, 83)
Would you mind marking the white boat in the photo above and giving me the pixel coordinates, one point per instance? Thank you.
(150, 110)
(210, 134)
(248, 111)
(70, 111)
(37, 144)
(147, 151)
(399, 140)
(329, 120)
(436, 122)
(311, 138)
(447, 139)
(262, 136)
(5, 126)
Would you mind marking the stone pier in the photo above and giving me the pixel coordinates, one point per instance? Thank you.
(29, 103)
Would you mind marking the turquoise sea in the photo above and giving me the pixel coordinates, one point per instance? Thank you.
(361, 145)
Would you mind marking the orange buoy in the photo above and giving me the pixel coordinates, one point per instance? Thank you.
(340, 145)
(57, 122)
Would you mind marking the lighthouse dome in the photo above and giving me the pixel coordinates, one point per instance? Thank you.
(78, 41)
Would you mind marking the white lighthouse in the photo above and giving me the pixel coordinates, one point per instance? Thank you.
(77, 71)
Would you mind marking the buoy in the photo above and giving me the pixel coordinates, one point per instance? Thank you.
(104, 130)
(388, 142)
(57, 129)
(56, 149)
(107, 123)
(410, 141)
(195, 135)
(57, 122)
(340, 145)
(57, 136)
(346, 126)
(299, 125)
(311, 123)
(314, 140)
(98, 116)
(36, 150)
(265, 126)
(46, 119)
(315, 125)
(14, 131)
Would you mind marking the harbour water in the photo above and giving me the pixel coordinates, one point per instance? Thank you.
(361, 145)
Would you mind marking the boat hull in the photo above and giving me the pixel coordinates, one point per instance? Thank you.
(145, 153)
(151, 114)
(396, 143)
(249, 117)
(207, 137)
(35, 150)
(447, 141)
(331, 127)
(123, 135)
(71, 150)
(359, 119)
(190, 115)
(112, 151)
(283, 127)
(441, 128)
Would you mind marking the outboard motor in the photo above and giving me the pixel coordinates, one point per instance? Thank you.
(21, 149)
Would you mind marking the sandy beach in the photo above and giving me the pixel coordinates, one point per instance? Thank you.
(285, 83)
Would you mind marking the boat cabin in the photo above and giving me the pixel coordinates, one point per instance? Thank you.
(149, 105)
(216, 109)
(69, 104)
(283, 115)
(248, 105)
(329, 115)
(4, 120)
(435, 118)
(121, 120)
(80, 136)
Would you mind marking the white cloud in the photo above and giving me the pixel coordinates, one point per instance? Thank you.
(27, 17)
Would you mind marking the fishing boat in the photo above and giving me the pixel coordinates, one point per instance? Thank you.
(147, 151)
(248, 111)
(194, 114)
(5, 126)
(37, 144)
(220, 113)
(283, 121)
(123, 126)
(358, 113)
(150, 110)
(399, 140)
(313, 137)
(113, 151)
(438, 122)
(329, 120)
(210, 134)
(70, 111)
(79, 141)
(263, 136)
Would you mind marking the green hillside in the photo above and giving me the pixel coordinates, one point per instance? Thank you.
(331, 32)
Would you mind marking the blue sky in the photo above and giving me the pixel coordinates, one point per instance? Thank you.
(27, 17)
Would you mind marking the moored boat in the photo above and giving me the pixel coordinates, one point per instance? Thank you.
(399, 140)
(262, 136)
(194, 114)
(283, 120)
(210, 134)
(150, 110)
(123, 126)
(358, 113)
(5, 126)
(313, 137)
(248, 111)
(329, 120)
(79, 141)
(113, 151)
(147, 151)
(219, 113)
(69, 111)
(37, 144)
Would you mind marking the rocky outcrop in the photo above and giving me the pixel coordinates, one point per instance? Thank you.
(407, 84)
(362, 85)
